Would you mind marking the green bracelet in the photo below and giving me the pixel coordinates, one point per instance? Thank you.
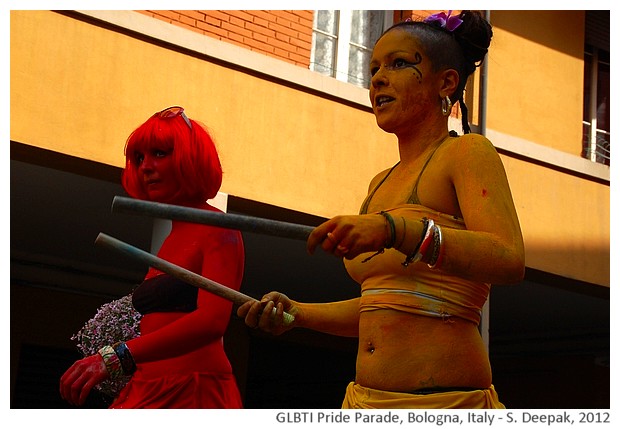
(389, 243)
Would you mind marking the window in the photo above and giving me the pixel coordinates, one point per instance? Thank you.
(342, 42)
(596, 136)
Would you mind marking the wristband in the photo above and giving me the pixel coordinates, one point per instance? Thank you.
(417, 253)
(389, 242)
(111, 361)
(125, 358)
(437, 256)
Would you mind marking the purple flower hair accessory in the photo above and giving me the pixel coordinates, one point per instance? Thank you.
(447, 22)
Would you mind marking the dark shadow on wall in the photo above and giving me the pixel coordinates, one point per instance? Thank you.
(549, 336)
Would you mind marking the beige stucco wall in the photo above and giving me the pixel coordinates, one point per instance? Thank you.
(278, 145)
(565, 221)
(535, 71)
(80, 89)
(535, 81)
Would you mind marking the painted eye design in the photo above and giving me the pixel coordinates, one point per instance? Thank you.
(399, 62)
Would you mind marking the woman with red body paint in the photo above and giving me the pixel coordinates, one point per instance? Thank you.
(178, 361)
(433, 233)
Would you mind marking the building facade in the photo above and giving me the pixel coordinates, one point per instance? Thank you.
(285, 95)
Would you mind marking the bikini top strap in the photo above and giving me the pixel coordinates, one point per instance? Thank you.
(413, 198)
(366, 203)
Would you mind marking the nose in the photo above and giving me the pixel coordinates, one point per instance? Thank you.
(146, 164)
(379, 78)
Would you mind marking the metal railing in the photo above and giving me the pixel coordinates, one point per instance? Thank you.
(597, 147)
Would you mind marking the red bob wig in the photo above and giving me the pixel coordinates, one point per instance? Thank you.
(195, 157)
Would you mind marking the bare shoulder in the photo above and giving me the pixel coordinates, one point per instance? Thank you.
(470, 151)
(470, 144)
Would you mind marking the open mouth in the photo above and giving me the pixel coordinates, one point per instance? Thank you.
(382, 100)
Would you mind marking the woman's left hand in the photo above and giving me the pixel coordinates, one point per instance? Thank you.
(349, 236)
(77, 382)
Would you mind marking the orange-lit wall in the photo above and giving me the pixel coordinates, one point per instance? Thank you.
(299, 146)
(535, 70)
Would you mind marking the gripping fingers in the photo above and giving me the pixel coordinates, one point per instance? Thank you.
(273, 314)
(286, 317)
(332, 244)
(265, 315)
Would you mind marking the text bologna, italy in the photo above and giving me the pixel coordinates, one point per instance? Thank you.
(439, 419)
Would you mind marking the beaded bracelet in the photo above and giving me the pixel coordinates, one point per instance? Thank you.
(124, 356)
(111, 361)
(417, 253)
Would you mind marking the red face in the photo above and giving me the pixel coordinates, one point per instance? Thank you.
(402, 88)
(156, 170)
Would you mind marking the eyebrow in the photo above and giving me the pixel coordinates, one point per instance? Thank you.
(398, 52)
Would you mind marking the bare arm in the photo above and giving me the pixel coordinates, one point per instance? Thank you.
(470, 182)
(214, 253)
(336, 318)
(491, 249)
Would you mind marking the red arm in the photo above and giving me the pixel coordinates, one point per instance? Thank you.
(215, 253)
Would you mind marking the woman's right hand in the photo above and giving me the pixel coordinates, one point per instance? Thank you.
(77, 382)
(268, 313)
(349, 236)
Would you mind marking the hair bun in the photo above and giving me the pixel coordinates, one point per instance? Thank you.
(474, 35)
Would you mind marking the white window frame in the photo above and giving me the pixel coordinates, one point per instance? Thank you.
(340, 70)
(594, 153)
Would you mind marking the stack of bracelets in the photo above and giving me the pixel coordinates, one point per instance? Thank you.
(428, 249)
(118, 360)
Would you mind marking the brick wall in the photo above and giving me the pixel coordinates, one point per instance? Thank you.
(283, 34)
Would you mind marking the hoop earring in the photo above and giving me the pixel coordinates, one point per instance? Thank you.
(446, 106)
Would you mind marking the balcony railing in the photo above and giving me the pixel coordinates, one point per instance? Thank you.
(596, 148)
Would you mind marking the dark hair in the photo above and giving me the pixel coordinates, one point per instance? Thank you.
(463, 49)
(195, 156)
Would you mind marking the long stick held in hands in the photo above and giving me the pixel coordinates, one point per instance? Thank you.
(179, 272)
(225, 220)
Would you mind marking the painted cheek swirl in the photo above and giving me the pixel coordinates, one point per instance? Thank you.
(401, 64)
(414, 66)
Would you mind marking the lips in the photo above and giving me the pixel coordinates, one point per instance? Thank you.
(382, 100)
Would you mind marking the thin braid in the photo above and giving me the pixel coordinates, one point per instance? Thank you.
(464, 116)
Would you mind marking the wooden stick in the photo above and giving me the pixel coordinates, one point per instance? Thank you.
(225, 220)
(179, 272)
